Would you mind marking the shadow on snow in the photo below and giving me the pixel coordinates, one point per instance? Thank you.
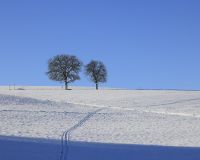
(15, 148)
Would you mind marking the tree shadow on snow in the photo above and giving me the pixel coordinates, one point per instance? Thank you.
(15, 148)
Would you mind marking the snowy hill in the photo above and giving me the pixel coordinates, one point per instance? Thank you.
(48, 123)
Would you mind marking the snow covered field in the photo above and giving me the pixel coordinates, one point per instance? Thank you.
(50, 123)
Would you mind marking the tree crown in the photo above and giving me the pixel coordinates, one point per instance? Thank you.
(64, 68)
(97, 71)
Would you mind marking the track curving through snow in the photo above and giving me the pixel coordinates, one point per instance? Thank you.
(65, 139)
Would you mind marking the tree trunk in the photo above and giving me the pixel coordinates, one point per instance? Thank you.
(97, 86)
(66, 85)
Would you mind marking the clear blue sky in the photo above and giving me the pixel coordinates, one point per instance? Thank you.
(144, 43)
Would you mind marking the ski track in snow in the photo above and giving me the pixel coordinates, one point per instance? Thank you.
(66, 135)
(175, 102)
(100, 106)
(41, 111)
(148, 111)
(65, 139)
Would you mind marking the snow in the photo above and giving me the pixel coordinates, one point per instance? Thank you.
(71, 124)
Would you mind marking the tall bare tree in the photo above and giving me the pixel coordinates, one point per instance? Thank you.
(64, 68)
(97, 72)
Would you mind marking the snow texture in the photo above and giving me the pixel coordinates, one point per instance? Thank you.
(50, 123)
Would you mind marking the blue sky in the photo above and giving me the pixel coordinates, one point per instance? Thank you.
(145, 44)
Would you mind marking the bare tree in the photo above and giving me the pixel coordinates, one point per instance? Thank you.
(64, 68)
(97, 72)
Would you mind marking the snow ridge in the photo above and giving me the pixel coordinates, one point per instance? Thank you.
(65, 139)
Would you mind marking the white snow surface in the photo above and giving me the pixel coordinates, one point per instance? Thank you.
(146, 117)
